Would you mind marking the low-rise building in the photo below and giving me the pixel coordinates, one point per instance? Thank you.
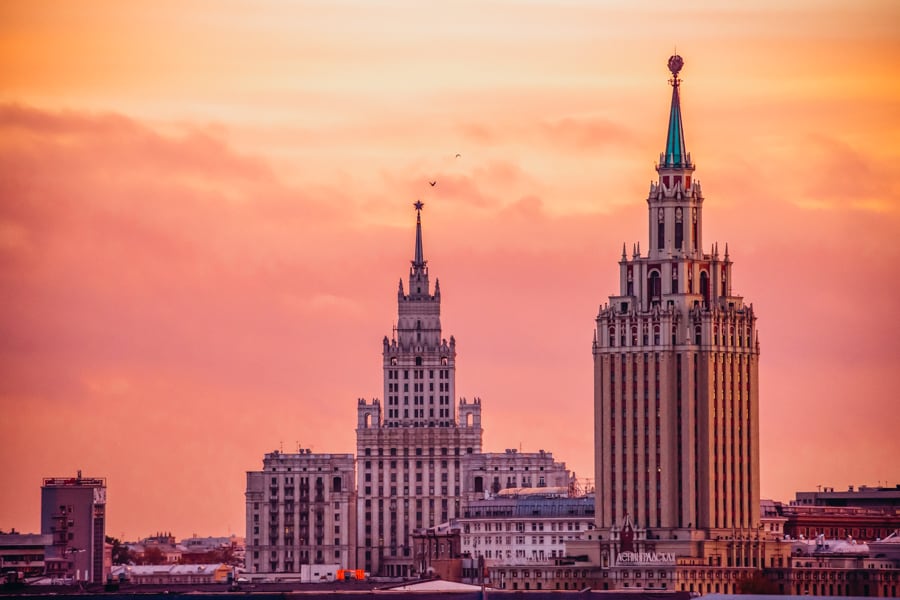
(22, 555)
(863, 496)
(531, 526)
(438, 553)
(487, 473)
(828, 567)
(172, 574)
(840, 522)
(520, 537)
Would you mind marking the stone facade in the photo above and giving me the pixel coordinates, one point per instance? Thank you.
(529, 529)
(301, 510)
(675, 372)
(22, 554)
(410, 452)
(675, 399)
(488, 473)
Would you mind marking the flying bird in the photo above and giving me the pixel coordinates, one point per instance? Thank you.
(458, 155)
(432, 183)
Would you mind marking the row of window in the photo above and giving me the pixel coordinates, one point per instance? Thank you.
(522, 526)
(417, 373)
(419, 413)
(443, 386)
(393, 477)
(419, 490)
(407, 463)
(498, 540)
(418, 451)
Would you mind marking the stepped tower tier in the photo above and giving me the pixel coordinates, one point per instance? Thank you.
(411, 447)
(419, 364)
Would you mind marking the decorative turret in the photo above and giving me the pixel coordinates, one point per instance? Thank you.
(675, 200)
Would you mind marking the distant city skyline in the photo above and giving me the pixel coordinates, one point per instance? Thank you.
(205, 216)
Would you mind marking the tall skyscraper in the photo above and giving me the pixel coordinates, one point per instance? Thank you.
(409, 454)
(675, 375)
(73, 511)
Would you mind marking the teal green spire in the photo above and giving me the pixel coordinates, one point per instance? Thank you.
(676, 155)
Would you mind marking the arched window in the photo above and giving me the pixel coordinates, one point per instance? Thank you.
(654, 289)
(674, 279)
(660, 229)
(634, 336)
(697, 335)
(694, 228)
(679, 228)
(612, 337)
(704, 287)
(656, 335)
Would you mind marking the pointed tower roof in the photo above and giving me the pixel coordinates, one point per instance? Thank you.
(419, 259)
(676, 154)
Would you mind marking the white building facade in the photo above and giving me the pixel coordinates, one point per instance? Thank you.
(529, 529)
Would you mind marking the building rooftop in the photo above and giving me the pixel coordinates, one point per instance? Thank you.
(821, 545)
(530, 506)
(25, 539)
(145, 570)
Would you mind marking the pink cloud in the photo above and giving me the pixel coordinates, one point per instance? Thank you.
(175, 298)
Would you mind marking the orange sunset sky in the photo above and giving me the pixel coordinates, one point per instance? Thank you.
(205, 208)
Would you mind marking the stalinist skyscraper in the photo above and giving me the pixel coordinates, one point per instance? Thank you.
(410, 452)
(676, 378)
